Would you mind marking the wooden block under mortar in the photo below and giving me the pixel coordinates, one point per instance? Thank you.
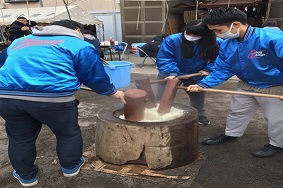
(168, 96)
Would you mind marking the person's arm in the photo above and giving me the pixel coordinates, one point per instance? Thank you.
(277, 46)
(208, 69)
(18, 29)
(118, 95)
(90, 71)
(222, 72)
(166, 60)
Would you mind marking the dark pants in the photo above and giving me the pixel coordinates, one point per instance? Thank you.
(197, 99)
(23, 121)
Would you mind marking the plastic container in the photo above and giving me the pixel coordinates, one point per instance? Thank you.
(119, 73)
(134, 48)
(111, 40)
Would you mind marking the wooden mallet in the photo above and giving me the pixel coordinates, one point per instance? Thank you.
(236, 92)
(168, 96)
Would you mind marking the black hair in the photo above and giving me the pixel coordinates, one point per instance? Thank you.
(88, 32)
(70, 24)
(21, 17)
(225, 16)
(208, 46)
(269, 23)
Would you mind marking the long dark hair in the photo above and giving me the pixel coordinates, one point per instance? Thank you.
(208, 46)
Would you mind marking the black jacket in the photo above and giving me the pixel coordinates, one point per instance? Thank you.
(152, 47)
(16, 32)
(95, 42)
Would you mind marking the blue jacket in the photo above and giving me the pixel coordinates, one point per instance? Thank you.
(53, 62)
(170, 62)
(257, 59)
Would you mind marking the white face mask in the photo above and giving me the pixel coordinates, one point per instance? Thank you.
(229, 35)
(192, 38)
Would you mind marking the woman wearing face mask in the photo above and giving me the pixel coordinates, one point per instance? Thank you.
(191, 51)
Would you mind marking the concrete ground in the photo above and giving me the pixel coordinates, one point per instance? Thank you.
(230, 165)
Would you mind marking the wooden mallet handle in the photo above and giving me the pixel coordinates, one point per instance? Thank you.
(179, 77)
(236, 92)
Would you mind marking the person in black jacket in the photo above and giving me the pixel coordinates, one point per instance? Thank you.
(88, 37)
(151, 48)
(19, 28)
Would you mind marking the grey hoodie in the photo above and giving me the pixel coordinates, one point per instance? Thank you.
(57, 30)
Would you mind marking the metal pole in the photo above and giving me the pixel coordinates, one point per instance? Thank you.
(66, 5)
(28, 12)
(114, 22)
(41, 3)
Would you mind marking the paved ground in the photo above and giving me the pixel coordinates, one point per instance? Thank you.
(230, 165)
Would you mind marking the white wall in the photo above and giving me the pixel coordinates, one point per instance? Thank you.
(112, 25)
(106, 10)
(87, 5)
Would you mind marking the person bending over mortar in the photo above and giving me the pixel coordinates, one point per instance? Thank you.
(37, 85)
(192, 51)
(255, 56)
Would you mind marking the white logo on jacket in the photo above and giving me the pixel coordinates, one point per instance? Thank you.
(257, 54)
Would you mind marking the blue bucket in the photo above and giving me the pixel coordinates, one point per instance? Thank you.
(119, 73)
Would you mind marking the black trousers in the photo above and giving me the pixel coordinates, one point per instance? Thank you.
(23, 122)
